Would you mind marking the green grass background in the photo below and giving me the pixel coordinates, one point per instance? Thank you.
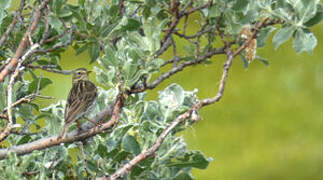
(269, 123)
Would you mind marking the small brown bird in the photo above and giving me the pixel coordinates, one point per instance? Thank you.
(81, 98)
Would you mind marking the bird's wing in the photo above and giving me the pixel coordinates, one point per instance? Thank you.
(79, 100)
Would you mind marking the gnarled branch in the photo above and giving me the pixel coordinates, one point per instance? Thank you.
(87, 130)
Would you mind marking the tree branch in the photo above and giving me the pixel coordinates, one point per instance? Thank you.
(27, 99)
(181, 67)
(226, 67)
(254, 35)
(50, 68)
(87, 130)
(178, 68)
(8, 128)
(24, 41)
(125, 169)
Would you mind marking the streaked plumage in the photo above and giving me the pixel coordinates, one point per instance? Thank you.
(81, 98)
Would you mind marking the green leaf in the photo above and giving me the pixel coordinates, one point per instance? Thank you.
(25, 112)
(4, 4)
(65, 12)
(249, 17)
(214, 11)
(136, 77)
(129, 69)
(153, 66)
(33, 75)
(189, 49)
(102, 150)
(91, 165)
(81, 49)
(120, 156)
(43, 83)
(283, 35)
(56, 23)
(304, 40)
(172, 97)
(121, 130)
(244, 61)
(240, 5)
(3, 94)
(109, 58)
(263, 60)
(183, 176)
(102, 76)
(191, 159)
(94, 51)
(131, 25)
(3, 14)
(263, 35)
(317, 18)
(106, 30)
(130, 144)
(24, 139)
(152, 29)
(35, 106)
(307, 11)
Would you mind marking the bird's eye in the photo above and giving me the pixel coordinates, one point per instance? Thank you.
(79, 73)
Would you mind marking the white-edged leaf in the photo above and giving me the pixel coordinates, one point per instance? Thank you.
(304, 41)
(283, 35)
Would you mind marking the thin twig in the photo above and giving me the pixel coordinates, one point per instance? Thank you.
(46, 22)
(185, 24)
(30, 173)
(51, 68)
(8, 128)
(224, 77)
(84, 158)
(176, 69)
(53, 38)
(4, 37)
(27, 99)
(22, 133)
(193, 10)
(183, 65)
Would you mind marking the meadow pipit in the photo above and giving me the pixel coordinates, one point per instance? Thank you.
(81, 98)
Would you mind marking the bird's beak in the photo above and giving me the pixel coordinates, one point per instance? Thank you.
(88, 72)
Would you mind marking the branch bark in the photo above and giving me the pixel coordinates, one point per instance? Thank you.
(178, 68)
(87, 130)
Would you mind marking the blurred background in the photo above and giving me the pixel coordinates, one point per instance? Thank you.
(269, 123)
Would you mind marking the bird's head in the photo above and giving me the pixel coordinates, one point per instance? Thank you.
(81, 74)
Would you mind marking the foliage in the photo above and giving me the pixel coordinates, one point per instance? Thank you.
(127, 39)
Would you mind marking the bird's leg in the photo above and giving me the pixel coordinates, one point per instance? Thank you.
(79, 125)
(94, 123)
(63, 133)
